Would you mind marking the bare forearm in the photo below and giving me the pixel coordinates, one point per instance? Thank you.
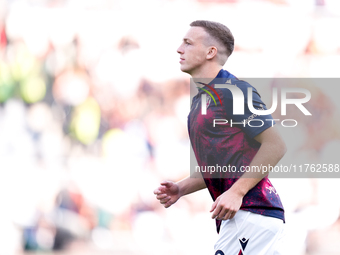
(191, 184)
(269, 154)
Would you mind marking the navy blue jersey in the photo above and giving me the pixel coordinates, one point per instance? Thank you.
(231, 143)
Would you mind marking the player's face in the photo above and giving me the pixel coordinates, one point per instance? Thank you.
(193, 51)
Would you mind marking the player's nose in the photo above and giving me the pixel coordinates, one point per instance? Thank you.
(180, 49)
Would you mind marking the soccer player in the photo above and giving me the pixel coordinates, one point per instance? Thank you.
(248, 211)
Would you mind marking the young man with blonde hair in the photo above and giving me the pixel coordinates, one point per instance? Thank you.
(247, 208)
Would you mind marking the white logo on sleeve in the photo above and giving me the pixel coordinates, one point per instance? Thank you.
(271, 190)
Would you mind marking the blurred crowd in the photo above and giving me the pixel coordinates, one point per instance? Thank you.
(93, 111)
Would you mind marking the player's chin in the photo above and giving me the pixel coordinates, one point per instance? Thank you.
(184, 69)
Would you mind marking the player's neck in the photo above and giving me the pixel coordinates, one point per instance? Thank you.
(208, 73)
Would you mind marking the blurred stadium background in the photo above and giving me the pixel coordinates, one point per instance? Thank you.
(93, 112)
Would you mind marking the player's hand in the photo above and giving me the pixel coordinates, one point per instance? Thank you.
(167, 193)
(226, 205)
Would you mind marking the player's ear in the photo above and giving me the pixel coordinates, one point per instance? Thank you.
(212, 51)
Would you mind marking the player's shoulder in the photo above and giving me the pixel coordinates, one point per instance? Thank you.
(240, 85)
(244, 85)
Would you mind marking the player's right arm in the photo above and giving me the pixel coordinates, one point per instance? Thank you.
(169, 192)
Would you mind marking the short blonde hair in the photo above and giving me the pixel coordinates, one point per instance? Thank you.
(217, 31)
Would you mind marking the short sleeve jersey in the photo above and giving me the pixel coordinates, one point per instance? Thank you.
(231, 144)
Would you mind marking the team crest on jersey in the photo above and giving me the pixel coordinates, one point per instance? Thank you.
(208, 101)
(196, 106)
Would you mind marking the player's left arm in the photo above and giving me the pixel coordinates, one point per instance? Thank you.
(272, 149)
